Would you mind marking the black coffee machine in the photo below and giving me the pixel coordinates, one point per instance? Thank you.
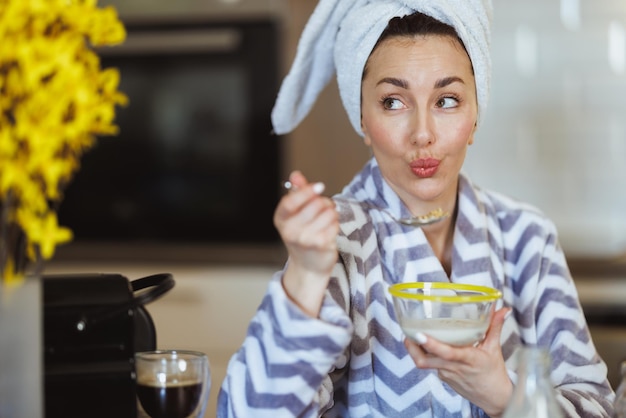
(93, 326)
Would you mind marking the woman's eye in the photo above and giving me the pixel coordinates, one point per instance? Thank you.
(391, 104)
(447, 102)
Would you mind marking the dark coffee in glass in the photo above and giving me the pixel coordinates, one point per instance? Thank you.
(172, 383)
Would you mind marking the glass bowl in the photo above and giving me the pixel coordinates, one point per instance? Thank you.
(453, 313)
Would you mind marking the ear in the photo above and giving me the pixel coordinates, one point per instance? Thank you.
(366, 138)
(471, 138)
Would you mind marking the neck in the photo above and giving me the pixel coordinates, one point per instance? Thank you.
(440, 237)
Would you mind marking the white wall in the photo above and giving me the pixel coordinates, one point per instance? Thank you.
(555, 132)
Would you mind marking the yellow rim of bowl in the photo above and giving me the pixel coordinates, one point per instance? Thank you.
(490, 294)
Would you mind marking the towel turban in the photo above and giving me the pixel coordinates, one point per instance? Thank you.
(340, 35)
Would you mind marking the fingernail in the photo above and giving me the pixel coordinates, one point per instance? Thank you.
(508, 314)
(318, 188)
(420, 338)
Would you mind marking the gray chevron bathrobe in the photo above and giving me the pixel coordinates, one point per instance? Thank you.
(351, 361)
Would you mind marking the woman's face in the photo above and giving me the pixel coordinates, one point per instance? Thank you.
(419, 113)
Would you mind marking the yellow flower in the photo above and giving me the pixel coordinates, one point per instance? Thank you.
(54, 100)
(12, 277)
(44, 232)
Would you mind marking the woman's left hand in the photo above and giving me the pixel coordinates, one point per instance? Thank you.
(476, 373)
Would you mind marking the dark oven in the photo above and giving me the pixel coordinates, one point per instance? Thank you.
(195, 156)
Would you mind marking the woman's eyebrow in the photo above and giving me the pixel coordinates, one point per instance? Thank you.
(398, 82)
(395, 81)
(447, 81)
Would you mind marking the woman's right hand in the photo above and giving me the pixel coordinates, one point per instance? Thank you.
(308, 224)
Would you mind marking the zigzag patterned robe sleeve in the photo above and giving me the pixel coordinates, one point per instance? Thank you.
(351, 361)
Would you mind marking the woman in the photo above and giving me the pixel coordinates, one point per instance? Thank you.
(325, 341)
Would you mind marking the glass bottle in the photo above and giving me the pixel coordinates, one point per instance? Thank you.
(534, 395)
(620, 395)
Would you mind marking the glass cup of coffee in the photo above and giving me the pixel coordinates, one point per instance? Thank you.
(172, 383)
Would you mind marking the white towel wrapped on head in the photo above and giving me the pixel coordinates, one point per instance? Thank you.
(340, 36)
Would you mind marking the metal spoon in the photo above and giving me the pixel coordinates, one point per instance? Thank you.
(422, 220)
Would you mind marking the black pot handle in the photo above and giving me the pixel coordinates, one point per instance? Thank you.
(157, 285)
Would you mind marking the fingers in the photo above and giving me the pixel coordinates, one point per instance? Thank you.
(428, 353)
(306, 218)
(492, 339)
(416, 352)
(421, 354)
(298, 200)
(296, 180)
(322, 225)
(300, 193)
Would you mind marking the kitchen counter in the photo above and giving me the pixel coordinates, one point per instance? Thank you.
(598, 266)
(601, 285)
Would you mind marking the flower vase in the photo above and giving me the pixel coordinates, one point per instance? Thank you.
(21, 355)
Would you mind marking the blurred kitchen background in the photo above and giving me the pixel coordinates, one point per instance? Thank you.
(190, 184)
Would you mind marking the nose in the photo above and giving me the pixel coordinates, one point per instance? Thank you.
(422, 132)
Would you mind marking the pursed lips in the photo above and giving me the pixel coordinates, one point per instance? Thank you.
(424, 167)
